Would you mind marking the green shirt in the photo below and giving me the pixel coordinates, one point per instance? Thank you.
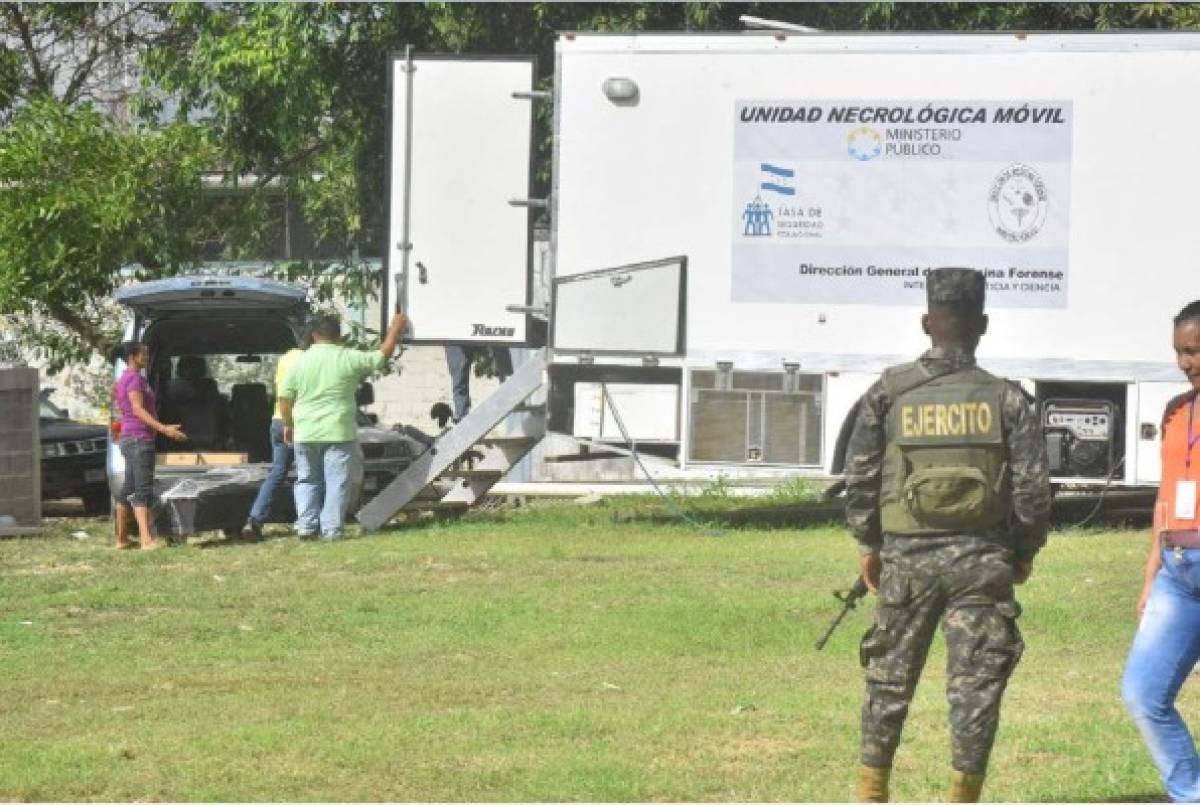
(321, 385)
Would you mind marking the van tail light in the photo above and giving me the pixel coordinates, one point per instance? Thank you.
(115, 427)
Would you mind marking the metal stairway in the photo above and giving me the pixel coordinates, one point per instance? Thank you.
(469, 454)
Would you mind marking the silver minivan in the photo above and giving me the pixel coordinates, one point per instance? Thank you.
(215, 342)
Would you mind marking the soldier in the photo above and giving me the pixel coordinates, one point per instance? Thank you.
(948, 495)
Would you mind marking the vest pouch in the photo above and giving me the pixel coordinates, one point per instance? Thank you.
(953, 498)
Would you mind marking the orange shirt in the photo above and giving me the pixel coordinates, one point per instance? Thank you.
(1180, 460)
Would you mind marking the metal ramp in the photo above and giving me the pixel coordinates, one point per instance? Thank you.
(469, 454)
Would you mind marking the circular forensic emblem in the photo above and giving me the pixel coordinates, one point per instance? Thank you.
(1017, 203)
(864, 144)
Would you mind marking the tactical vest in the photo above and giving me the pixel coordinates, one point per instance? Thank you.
(945, 465)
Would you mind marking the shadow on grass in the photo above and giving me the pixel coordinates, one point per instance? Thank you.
(1149, 796)
(784, 516)
(423, 520)
(816, 513)
(229, 542)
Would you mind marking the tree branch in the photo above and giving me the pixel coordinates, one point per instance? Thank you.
(17, 17)
(86, 330)
(281, 167)
(82, 73)
(100, 37)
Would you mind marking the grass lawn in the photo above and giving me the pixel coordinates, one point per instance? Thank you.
(553, 654)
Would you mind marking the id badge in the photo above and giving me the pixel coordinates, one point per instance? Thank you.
(1185, 500)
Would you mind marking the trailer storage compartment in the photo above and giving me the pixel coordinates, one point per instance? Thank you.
(755, 417)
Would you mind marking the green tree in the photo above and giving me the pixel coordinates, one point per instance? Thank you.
(84, 193)
(80, 198)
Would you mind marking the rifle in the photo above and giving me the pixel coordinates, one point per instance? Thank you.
(850, 600)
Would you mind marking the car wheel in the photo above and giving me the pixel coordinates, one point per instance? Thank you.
(96, 501)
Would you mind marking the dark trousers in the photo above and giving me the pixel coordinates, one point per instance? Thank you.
(138, 486)
(459, 359)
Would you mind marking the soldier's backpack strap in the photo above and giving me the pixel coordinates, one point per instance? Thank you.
(899, 380)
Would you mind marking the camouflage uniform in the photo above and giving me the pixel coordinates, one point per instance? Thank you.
(963, 579)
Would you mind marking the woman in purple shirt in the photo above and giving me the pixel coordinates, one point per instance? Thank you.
(137, 425)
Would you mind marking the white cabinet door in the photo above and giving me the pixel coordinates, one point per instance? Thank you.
(627, 310)
(1152, 399)
(459, 152)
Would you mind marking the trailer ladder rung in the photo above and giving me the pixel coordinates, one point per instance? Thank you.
(508, 441)
(469, 472)
(450, 455)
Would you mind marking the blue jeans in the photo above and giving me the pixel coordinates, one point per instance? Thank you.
(1164, 651)
(325, 474)
(281, 459)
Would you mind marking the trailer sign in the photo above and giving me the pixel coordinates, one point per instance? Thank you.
(854, 201)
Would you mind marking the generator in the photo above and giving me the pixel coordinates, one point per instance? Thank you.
(1080, 437)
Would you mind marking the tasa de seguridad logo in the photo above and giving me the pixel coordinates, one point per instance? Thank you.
(758, 214)
(757, 218)
(864, 144)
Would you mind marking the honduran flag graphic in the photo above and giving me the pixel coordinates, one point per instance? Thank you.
(774, 178)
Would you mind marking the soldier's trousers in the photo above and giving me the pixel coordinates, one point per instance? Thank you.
(971, 593)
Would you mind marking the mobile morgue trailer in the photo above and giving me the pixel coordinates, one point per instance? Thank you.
(740, 226)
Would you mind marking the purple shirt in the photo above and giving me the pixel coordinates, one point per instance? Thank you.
(131, 426)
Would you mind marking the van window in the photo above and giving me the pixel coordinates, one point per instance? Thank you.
(224, 402)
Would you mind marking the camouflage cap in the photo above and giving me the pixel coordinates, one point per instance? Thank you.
(955, 286)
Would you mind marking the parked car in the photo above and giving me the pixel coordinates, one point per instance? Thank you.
(72, 458)
(214, 343)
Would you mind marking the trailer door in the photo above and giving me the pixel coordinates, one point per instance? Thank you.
(458, 251)
(1152, 400)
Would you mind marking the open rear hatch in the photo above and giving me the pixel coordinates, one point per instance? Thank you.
(208, 295)
(211, 315)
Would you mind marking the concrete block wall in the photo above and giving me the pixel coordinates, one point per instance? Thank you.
(20, 450)
(423, 380)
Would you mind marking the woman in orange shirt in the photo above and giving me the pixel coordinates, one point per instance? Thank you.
(1167, 644)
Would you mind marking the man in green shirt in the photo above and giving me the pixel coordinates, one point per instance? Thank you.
(316, 403)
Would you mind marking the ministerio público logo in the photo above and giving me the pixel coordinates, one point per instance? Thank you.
(1017, 203)
(864, 144)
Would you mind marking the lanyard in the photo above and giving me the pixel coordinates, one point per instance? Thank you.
(1193, 439)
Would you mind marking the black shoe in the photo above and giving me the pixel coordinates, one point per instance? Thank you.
(252, 532)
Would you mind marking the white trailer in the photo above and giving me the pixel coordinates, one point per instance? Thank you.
(741, 224)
